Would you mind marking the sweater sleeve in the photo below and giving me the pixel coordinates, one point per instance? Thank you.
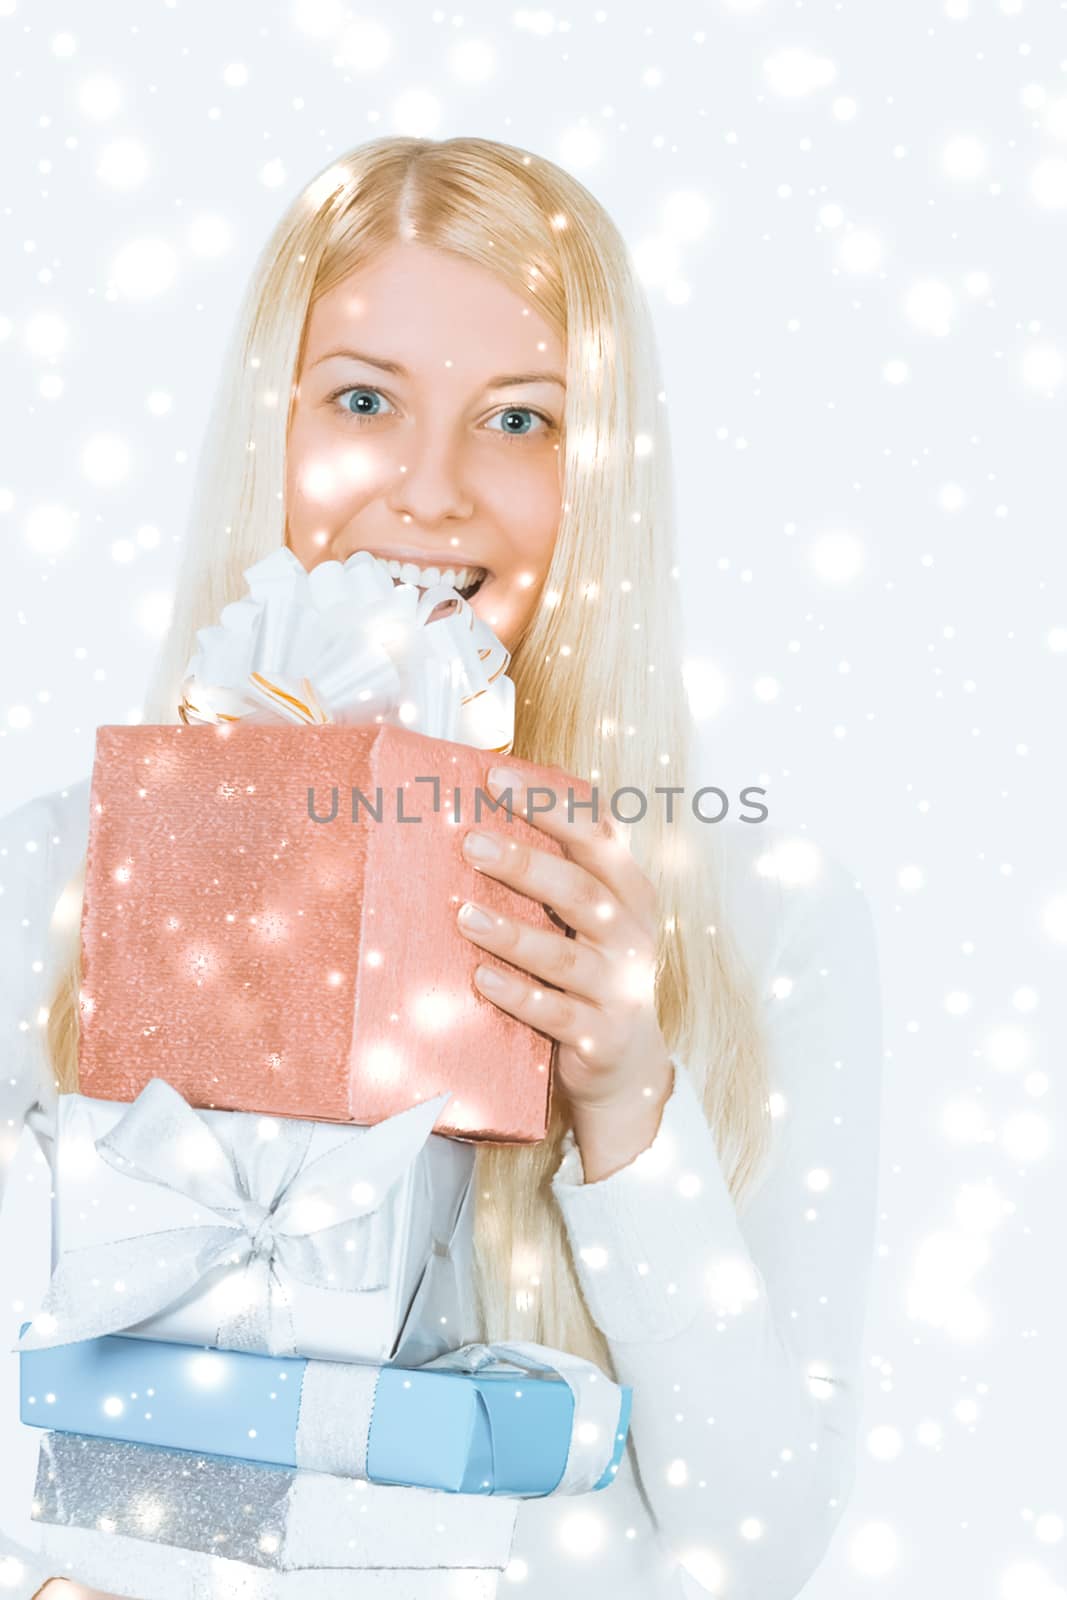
(741, 1332)
(26, 839)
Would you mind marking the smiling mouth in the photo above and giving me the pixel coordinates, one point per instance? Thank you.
(475, 576)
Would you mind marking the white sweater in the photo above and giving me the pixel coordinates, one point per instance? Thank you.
(740, 1334)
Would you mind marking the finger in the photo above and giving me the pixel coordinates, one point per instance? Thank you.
(561, 1016)
(602, 847)
(583, 902)
(577, 968)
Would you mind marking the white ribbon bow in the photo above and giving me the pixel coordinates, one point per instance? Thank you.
(284, 1219)
(342, 643)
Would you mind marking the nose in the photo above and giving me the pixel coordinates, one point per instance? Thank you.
(430, 485)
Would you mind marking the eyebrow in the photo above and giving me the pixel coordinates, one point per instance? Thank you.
(505, 380)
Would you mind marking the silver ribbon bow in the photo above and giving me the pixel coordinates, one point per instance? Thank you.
(281, 1219)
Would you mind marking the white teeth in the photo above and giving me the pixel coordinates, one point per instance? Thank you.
(423, 577)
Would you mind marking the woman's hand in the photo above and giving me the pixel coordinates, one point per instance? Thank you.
(612, 1059)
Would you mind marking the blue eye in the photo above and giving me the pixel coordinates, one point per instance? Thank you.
(359, 389)
(520, 411)
(361, 412)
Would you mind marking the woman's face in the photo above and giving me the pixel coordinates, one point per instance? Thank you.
(426, 428)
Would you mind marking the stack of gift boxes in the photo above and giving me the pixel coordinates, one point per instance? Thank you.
(263, 1196)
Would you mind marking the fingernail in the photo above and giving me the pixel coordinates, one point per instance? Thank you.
(504, 778)
(482, 846)
(473, 916)
(488, 979)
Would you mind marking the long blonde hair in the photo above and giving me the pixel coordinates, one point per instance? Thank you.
(597, 674)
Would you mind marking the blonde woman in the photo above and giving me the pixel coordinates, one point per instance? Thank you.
(444, 358)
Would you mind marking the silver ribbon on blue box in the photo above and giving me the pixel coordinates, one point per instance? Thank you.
(508, 1419)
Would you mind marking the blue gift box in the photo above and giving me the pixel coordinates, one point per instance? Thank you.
(485, 1432)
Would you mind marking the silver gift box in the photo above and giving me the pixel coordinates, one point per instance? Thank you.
(276, 1519)
(401, 1284)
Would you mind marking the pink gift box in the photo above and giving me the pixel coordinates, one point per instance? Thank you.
(261, 960)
